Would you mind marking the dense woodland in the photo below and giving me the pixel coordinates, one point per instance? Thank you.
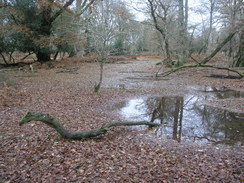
(175, 29)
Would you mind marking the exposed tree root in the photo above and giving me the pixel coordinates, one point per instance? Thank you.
(54, 123)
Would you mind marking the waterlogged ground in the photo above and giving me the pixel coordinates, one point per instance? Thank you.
(209, 151)
(186, 118)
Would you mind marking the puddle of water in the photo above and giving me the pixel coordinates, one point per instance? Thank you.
(184, 119)
(216, 92)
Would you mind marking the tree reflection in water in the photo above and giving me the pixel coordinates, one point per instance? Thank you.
(184, 119)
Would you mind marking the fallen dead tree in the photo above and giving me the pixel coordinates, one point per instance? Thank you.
(64, 133)
(206, 59)
(200, 65)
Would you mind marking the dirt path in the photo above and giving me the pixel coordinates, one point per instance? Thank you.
(34, 153)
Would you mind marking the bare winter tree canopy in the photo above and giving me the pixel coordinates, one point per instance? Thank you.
(175, 28)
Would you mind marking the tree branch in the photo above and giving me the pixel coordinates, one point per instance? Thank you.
(84, 6)
(54, 123)
(199, 65)
(207, 59)
(67, 4)
(219, 47)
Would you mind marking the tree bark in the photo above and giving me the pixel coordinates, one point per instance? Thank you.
(209, 36)
(207, 59)
(98, 86)
(182, 33)
(240, 55)
(160, 29)
(219, 47)
(43, 55)
(4, 59)
(186, 14)
(54, 123)
(200, 65)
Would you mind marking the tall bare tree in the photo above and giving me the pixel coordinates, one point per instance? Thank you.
(182, 32)
(159, 13)
(210, 7)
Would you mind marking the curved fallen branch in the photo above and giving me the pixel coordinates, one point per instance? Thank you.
(200, 65)
(54, 123)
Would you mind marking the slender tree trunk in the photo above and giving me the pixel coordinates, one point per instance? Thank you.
(160, 29)
(219, 47)
(167, 49)
(182, 33)
(11, 58)
(208, 40)
(98, 86)
(56, 55)
(4, 59)
(187, 50)
(232, 43)
(210, 31)
(240, 55)
(186, 14)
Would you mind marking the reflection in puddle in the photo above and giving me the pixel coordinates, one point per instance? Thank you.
(184, 119)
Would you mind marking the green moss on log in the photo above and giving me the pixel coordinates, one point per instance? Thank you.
(64, 133)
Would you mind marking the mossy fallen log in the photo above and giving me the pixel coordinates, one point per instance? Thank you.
(200, 65)
(64, 133)
(204, 62)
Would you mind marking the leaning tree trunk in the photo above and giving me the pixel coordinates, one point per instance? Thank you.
(207, 59)
(218, 48)
(64, 133)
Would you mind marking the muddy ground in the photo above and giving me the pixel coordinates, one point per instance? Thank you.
(34, 152)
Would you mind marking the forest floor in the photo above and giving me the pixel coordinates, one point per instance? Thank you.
(64, 89)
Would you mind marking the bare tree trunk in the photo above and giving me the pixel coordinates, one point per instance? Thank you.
(207, 59)
(98, 86)
(219, 47)
(233, 20)
(160, 29)
(240, 55)
(4, 59)
(186, 14)
(187, 45)
(182, 33)
(210, 32)
(55, 56)
(208, 40)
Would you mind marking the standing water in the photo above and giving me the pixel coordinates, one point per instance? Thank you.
(185, 119)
